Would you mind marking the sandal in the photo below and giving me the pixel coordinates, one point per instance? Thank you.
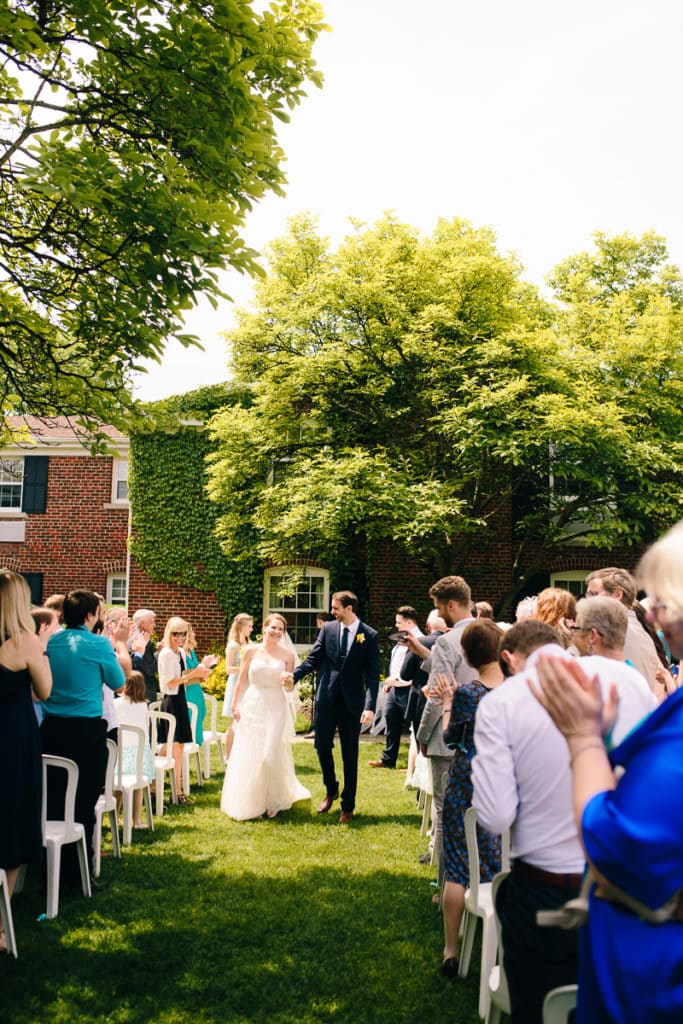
(183, 799)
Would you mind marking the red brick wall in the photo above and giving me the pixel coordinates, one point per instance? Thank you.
(76, 541)
(166, 599)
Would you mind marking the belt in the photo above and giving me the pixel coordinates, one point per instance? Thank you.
(560, 881)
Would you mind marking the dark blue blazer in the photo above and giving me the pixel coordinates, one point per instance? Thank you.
(356, 675)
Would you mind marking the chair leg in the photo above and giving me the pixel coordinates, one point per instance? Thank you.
(54, 861)
(6, 917)
(200, 778)
(97, 846)
(488, 958)
(469, 931)
(160, 780)
(206, 747)
(114, 827)
(127, 817)
(148, 808)
(83, 864)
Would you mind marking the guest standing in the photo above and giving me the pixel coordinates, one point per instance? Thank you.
(173, 674)
(23, 670)
(81, 662)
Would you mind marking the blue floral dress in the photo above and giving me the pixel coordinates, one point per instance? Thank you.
(460, 737)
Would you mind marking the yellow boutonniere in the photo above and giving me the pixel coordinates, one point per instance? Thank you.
(360, 638)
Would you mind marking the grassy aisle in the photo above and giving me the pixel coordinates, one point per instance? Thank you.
(212, 921)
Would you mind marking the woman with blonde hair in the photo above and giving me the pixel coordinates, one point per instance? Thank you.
(238, 643)
(173, 674)
(23, 669)
(260, 778)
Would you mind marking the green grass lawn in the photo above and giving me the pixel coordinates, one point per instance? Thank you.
(207, 920)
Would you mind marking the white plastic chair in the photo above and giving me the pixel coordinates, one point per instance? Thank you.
(127, 784)
(188, 750)
(479, 906)
(6, 914)
(559, 1003)
(212, 735)
(163, 762)
(499, 996)
(57, 834)
(106, 804)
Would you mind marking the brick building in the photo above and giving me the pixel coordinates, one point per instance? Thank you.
(65, 521)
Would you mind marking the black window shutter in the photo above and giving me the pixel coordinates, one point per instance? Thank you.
(34, 496)
(35, 584)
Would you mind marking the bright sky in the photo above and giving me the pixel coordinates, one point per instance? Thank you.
(544, 119)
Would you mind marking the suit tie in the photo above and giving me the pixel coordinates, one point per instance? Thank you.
(344, 641)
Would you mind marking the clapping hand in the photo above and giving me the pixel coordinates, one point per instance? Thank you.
(443, 689)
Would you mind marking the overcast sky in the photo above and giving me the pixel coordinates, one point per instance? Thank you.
(546, 120)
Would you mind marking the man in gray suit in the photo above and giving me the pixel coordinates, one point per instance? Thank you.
(453, 601)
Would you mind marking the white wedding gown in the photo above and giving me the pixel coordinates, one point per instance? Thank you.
(260, 774)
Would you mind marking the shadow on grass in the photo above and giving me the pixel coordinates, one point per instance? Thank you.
(207, 942)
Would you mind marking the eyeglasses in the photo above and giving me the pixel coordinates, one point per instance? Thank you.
(184, 633)
(580, 629)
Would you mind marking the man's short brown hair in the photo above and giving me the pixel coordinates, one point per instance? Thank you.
(452, 588)
(524, 638)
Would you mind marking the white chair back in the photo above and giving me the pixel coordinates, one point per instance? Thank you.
(558, 1004)
(131, 736)
(62, 832)
(163, 762)
(71, 769)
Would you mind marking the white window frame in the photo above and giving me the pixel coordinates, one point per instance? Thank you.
(119, 475)
(113, 595)
(8, 479)
(306, 572)
(565, 576)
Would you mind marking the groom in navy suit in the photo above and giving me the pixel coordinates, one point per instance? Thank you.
(346, 657)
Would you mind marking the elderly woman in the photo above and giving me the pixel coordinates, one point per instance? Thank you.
(631, 962)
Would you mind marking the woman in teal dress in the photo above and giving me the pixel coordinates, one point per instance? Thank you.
(193, 691)
(631, 949)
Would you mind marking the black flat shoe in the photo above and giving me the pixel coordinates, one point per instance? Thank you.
(449, 967)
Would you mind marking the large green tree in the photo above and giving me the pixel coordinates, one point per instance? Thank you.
(135, 137)
(415, 388)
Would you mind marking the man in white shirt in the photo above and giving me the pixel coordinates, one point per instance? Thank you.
(522, 781)
(397, 689)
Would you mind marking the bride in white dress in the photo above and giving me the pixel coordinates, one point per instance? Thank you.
(260, 775)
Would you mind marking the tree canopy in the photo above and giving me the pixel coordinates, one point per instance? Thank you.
(135, 138)
(415, 388)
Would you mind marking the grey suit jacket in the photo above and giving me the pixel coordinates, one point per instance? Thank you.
(447, 659)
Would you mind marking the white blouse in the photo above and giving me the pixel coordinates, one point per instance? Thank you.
(169, 667)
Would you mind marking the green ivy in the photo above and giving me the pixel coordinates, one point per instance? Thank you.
(173, 536)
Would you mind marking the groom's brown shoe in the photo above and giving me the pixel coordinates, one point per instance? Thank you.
(327, 802)
(345, 817)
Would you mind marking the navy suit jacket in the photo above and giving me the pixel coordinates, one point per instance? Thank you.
(356, 675)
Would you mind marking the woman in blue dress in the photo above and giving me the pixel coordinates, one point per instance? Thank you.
(480, 642)
(631, 949)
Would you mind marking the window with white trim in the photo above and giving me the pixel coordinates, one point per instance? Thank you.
(11, 482)
(573, 580)
(117, 589)
(119, 481)
(301, 604)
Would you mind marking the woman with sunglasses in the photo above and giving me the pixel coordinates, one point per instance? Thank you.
(173, 674)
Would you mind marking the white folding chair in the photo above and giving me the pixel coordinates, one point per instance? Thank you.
(6, 914)
(479, 906)
(106, 804)
(163, 762)
(127, 783)
(559, 1003)
(499, 997)
(188, 750)
(57, 834)
(212, 735)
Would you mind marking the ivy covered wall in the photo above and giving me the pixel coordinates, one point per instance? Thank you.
(173, 522)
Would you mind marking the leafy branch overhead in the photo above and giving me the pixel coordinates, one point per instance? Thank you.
(417, 389)
(135, 139)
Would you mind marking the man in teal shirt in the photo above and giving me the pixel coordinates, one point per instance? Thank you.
(81, 662)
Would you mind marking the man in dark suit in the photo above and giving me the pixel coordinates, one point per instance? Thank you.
(345, 656)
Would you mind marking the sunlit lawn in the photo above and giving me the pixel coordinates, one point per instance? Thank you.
(209, 920)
